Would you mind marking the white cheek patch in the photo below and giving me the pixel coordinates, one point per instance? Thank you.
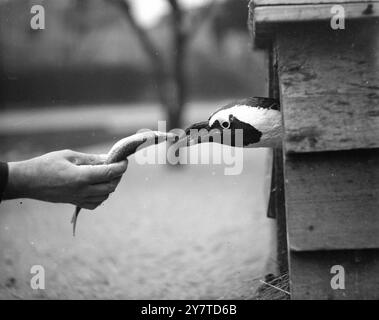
(218, 118)
(264, 120)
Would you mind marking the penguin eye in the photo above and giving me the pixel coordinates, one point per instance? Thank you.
(225, 124)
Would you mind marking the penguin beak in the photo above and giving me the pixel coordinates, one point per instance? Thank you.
(197, 133)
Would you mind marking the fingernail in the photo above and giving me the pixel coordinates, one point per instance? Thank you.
(103, 157)
(122, 166)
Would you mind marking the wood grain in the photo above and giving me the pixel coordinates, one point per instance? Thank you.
(276, 208)
(267, 17)
(310, 274)
(302, 13)
(292, 2)
(329, 90)
(332, 200)
(329, 85)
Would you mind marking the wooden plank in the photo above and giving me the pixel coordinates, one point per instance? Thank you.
(266, 17)
(302, 13)
(276, 207)
(332, 200)
(292, 2)
(277, 163)
(310, 274)
(280, 212)
(329, 86)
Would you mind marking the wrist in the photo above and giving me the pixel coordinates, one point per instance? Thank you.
(17, 181)
(3, 178)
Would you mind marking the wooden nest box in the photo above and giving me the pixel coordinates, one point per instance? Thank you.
(327, 80)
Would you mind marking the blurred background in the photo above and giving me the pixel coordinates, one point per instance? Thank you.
(99, 71)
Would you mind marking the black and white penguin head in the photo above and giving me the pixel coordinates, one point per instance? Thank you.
(256, 121)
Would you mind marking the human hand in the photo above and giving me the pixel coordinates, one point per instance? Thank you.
(65, 176)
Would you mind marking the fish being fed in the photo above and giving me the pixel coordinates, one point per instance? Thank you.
(125, 147)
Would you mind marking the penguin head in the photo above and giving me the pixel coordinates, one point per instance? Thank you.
(252, 122)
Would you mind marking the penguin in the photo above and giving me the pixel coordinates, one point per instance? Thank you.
(257, 120)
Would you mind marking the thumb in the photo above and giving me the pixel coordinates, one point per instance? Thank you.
(79, 158)
(103, 172)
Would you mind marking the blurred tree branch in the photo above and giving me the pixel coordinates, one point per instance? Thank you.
(206, 14)
(169, 77)
(179, 42)
(157, 62)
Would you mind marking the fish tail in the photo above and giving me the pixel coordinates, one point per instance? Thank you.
(74, 219)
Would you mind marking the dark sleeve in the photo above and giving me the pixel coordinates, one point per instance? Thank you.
(3, 178)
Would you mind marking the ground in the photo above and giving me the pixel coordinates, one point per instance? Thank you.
(166, 233)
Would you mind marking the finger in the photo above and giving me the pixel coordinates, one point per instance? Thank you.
(101, 189)
(103, 172)
(100, 199)
(90, 205)
(79, 158)
(115, 180)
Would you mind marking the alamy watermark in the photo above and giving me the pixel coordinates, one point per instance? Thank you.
(37, 22)
(337, 282)
(207, 153)
(37, 282)
(337, 22)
